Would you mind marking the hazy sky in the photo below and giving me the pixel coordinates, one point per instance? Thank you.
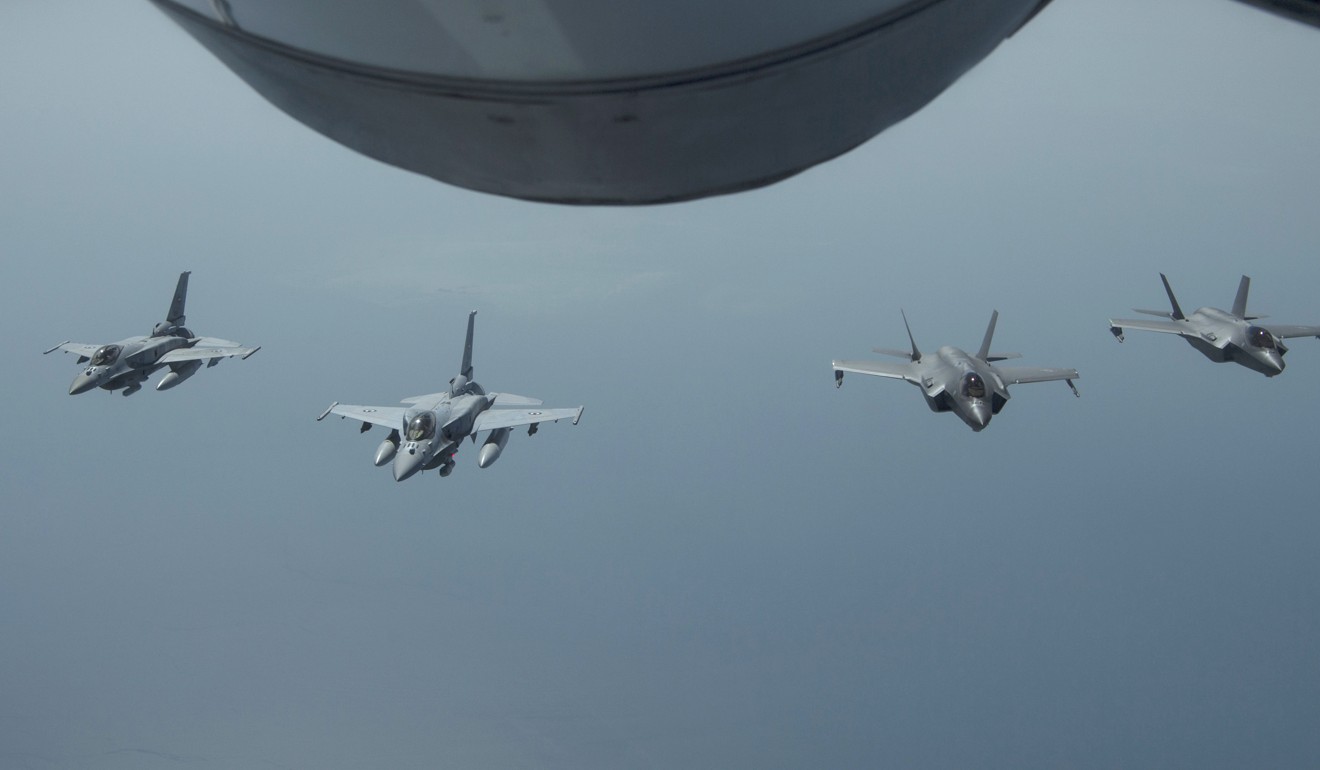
(728, 563)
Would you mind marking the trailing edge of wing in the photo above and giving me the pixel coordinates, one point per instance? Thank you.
(889, 369)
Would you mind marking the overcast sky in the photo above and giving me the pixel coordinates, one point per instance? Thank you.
(728, 563)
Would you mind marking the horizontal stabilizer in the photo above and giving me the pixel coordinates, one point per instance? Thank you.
(510, 399)
(892, 352)
(427, 397)
(1002, 356)
(1159, 313)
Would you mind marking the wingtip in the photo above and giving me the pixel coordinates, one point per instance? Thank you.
(578, 416)
(327, 411)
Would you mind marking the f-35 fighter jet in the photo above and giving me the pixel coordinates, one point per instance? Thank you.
(129, 362)
(1220, 336)
(426, 434)
(971, 387)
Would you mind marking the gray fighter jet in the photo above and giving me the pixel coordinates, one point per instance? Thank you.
(971, 387)
(129, 362)
(426, 433)
(1222, 336)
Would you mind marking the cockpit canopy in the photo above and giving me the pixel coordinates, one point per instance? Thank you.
(973, 386)
(105, 355)
(1261, 338)
(422, 427)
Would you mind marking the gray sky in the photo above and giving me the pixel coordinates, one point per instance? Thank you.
(728, 563)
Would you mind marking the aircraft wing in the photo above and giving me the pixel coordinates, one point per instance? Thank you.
(1014, 375)
(891, 369)
(1146, 325)
(1284, 330)
(207, 348)
(384, 416)
(491, 419)
(79, 348)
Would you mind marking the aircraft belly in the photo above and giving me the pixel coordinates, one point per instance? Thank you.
(665, 135)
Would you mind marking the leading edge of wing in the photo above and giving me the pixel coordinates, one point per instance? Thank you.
(79, 348)
(1015, 375)
(384, 416)
(493, 419)
(199, 353)
(891, 369)
(1147, 325)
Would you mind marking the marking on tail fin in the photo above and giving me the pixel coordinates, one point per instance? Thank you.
(1177, 314)
(1240, 301)
(984, 352)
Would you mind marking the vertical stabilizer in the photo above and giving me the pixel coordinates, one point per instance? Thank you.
(1240, 301)
(180, 297)
(1177, 311)
(466, 371)
(984, 352)
(916, 354)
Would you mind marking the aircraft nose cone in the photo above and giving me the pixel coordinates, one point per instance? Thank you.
(81, 384)
(1275, 360)
(407, 463)
(980, 416)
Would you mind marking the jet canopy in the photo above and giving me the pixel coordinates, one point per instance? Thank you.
(106, 355)
(1261, 338)
(973, 386)
(421, 427)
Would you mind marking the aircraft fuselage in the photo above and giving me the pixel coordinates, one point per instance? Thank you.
(954, 381)
(125, 364)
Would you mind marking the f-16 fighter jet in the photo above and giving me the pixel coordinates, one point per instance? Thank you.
(426, 433)
(128, 363)
(970, 386)
(1221, 336)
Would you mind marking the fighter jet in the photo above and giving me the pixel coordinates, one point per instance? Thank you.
(1222, 336)
(426, 434)
(971, 387)
(128, 363)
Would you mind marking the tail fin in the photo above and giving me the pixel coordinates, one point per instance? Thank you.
(984, 352)
(466, 371)
(1177, 311)
(916, 354)
(1240, 301)
(176, 316)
